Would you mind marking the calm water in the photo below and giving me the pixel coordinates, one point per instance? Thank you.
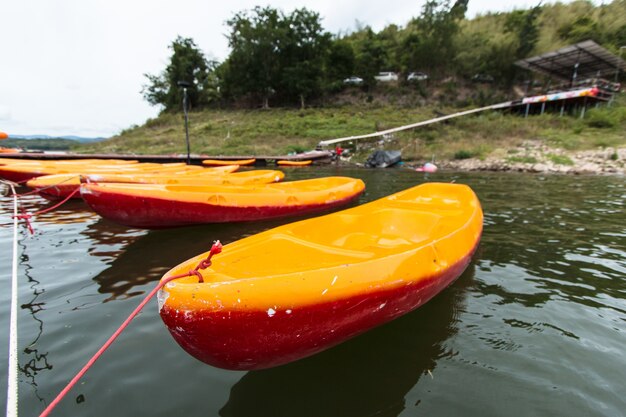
(535, 326)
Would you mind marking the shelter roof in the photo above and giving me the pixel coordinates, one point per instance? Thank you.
(593, 61)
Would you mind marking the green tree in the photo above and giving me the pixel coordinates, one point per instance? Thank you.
(432, 34)
(371, 57)
(256, 40)
(339, 63)
(187, 63)
(581, 29)
(525, 25)
(303, 56)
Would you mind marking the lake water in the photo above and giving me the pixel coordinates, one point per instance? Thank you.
(536, 325)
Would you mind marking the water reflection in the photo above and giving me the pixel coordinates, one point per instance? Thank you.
(368, 375)
(35, 361)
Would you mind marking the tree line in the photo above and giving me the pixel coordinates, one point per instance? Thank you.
(290, 59)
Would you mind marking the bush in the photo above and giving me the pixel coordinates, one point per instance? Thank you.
(601, 119)
(463, 154)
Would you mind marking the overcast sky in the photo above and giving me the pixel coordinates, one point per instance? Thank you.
(75, 67)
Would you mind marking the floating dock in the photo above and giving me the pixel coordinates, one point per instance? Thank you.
(318, 157)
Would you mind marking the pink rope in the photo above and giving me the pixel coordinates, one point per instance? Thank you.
(27, 216)
(205, 263)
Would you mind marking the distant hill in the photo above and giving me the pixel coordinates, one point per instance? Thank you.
(80, 139)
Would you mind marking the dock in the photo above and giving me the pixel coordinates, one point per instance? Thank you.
(318, 157)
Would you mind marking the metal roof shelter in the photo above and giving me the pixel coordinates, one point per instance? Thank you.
(583, 60)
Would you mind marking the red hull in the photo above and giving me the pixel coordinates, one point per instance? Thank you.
(257, 340)
(18, 177)
(152, 213)
(58, 192)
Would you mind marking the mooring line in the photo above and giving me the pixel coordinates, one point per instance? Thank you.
(37, 190)
(203, 264)
(12, 382)
(27, 216)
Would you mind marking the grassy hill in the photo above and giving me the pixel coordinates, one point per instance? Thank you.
(280, 131)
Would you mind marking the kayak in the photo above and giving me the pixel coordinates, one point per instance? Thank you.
(294, 163)
(58, 186)
(9, 150)
(298, 289)
(24, 171)
(165, 205)
(218, 162)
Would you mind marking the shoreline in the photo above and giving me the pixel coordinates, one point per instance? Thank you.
(536, 157)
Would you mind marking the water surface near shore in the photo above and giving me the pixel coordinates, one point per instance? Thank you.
(535, 325)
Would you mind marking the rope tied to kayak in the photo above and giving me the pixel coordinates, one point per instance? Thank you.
(38, 190)
(203, 264)
(27, 216)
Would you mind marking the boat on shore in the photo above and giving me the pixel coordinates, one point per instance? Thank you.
(290, 292)
(169, 205)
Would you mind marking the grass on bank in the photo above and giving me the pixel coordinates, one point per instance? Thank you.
(280, 131)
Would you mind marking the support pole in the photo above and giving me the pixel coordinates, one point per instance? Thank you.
(186, 125)
(185, 85)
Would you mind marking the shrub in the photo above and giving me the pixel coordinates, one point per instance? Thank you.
(601, 119)
(463, 154)
(560, 159)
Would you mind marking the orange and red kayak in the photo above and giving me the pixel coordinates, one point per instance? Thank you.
(219, 162)
(288, 163)
(167, 205)
(9, 150)
(22, 171)
(58, 186)
(298, 289)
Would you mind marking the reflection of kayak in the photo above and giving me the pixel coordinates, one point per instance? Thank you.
(161, 205)
(294, 163)
(218, 162)
(303, 287)
(62, 185)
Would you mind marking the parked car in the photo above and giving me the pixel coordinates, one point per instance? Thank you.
(354, 80)
(386, 76)
(417, 76)
(482, 78)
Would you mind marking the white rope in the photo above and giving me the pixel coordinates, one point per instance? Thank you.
(13, 363)
(414, 125)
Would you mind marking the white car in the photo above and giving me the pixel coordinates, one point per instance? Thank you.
(417, 76)
(386, 76)
(353, 80)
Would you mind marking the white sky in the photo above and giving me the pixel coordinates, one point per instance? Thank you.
(75, 67)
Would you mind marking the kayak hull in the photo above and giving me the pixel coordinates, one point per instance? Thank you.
(154, 213)
(303, 287)
(158, 206)
(250, 340)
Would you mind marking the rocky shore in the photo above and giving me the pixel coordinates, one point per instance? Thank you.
(537, 157)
